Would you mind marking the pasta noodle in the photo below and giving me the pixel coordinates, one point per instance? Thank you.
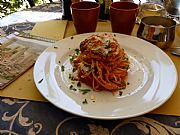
(101, 63)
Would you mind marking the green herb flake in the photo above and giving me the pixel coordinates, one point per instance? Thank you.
(120, 93)
(84, 91)
(126, 67)
(107, 44)
(71, 87)
(70, 76)
(126, 59)
(71, 57)
(79, 84)
(40, 81)
(122, 83)
(85, 101)
(74, 89)
(62, 68)
(77, 51)
(74, 69)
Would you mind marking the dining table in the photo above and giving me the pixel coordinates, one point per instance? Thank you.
(24, 111)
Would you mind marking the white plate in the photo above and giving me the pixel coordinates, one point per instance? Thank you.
(152, 80)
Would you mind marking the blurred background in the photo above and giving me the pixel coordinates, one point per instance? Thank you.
(10, 6)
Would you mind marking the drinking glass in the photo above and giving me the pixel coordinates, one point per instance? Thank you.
(123, 16)
(85, 15)
(150, 9)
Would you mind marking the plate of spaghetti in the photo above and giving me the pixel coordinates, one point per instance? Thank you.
(105, 75)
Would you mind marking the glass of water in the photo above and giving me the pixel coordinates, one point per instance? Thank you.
(150, 9)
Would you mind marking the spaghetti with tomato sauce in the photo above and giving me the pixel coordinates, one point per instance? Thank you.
(101, 63)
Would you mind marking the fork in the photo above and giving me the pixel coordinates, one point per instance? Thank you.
(29, 36)
(175, 51)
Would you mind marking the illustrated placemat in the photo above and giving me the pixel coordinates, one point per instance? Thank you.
(24, 87)
(16, 57)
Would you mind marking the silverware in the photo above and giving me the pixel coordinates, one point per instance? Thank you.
(29, 36)
(175, 51)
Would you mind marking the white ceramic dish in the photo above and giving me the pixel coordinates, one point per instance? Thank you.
(152, 80)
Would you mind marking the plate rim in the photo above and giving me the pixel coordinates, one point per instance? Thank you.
(112, 117)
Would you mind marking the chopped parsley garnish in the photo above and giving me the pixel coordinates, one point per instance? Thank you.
(84, 91)
(62, 68)
(126, 67)
(72, 88)
(70, 76)
(107, 44)
(85, 101)
(40, 81)
(122, 83)
(77, 51)
(71, 57)
(126, 58)
(74, 69)
(79, 84)
(120, 93)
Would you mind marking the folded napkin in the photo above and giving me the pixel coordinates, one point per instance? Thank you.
(50, 29)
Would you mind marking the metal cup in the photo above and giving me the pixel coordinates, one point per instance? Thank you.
(158, 30)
